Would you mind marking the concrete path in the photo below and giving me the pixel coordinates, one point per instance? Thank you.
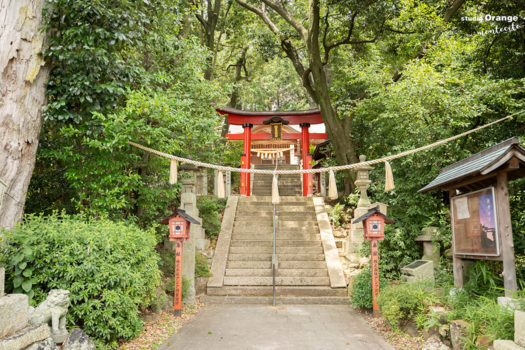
(262, 327)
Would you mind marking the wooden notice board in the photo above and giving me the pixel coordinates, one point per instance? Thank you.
(475, 226)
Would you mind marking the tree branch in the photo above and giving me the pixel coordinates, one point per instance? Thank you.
(261, 13)
(449, 13)
(287, 17)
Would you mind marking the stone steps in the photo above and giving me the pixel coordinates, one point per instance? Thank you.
(240, 264)
(280, 213)
(278, 272)
(268, 229)
(280, 257)
(281, 291)
(251, 249)
(292, 236)
(280, 300)
(281, 281)
(302, 274)
(269, 243)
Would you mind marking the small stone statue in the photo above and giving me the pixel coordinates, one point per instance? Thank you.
(52, 310)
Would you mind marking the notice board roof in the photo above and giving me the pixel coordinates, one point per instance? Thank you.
(479, 164)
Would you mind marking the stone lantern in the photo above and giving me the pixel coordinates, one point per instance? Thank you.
(362, 182)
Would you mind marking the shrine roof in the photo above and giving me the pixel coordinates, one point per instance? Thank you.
(479, 164)
(239, 117)
(181, 213)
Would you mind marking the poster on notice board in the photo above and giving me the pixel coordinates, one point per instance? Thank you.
(474, 223)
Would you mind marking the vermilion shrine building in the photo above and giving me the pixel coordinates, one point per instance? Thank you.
(275, 137)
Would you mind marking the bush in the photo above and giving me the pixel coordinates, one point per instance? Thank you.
(201, 265)
(406, 302)
(362, 289)
(109, 268)
(338, 214)
(209, 210)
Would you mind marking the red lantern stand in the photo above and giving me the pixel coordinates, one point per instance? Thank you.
(374, 230)
(179, 227)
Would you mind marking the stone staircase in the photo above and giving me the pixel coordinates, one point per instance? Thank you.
(289, 185)
(242, 266)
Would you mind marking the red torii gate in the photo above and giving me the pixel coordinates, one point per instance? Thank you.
(250, 118)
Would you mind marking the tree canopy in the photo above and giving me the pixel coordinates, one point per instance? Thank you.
(387, 75)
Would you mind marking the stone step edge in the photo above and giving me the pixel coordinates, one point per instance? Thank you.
(290, 291)
(279, 300)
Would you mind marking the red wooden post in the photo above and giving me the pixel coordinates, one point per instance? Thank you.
(247, 151)
(305, 145)
(177, 295)
(375, 274)
(243, 175)
(310, 189)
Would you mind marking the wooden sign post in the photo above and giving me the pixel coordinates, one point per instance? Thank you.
(374, 231)
(177, 294)
(179, 227)
(374, 254)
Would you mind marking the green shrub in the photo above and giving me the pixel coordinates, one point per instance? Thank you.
(405, 302)
(209, 210)
(167, 261)
(338, 214)
(109, 268)
(484, 315)
(201, 265)
(362, 289)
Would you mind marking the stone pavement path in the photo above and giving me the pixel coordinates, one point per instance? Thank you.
(263, 327)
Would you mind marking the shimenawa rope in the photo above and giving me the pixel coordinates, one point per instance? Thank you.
(319, 170)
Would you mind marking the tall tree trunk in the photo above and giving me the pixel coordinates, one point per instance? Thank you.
(338, 128)
(22, 94)
(234, 98)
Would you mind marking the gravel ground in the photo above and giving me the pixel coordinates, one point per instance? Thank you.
(156, 332)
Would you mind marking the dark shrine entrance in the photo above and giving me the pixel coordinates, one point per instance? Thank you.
(275, 137)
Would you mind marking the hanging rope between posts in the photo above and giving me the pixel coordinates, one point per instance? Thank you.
(320, 170)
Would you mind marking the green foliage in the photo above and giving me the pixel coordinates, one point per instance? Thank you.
(405, 302)
(109, 268)
(484, 315)
(120, 71)
(210, 209)
(167, 261)
(362, 289)
(201, 265)
(338, 214)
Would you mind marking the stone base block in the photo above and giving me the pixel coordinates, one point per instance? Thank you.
(78, 340)
(13, 313)
(509, 303)
(202, 244)
(25, 337)
(458, 331)
(506, 345)
(519, 327)
(47, 344)
(59, 336)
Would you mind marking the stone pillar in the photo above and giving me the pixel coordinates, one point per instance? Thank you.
(323, 184)
(202, 182)
(188, 203)
(228, 186)
(430, 245)
(355, 238)
(226, 176)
